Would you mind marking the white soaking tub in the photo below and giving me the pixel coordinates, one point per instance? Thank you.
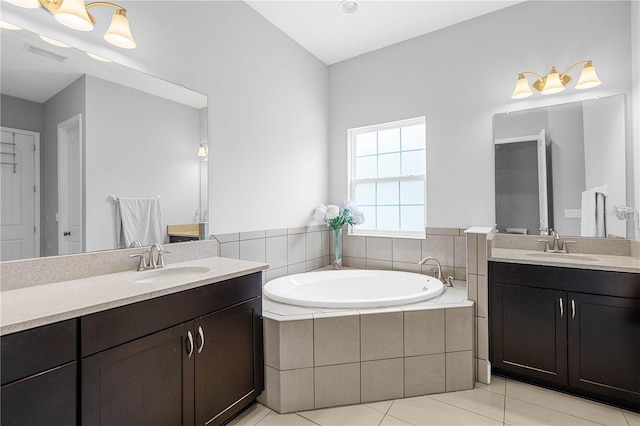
(353, 288)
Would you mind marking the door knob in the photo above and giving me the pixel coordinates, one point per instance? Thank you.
(66, 233)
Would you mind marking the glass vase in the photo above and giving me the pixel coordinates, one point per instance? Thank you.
(337, 248)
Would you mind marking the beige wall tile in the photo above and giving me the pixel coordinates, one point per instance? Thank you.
(443, 231)
(460, 274)
(459, 329)
(313, 264)
(482, 371)
(298, 230)
(313, 245)
(381, 336)
(325, 243)
(296, 390)
(482, 254)
(253, 250)
(337, 385)
(295, 248)
(483, 296)
(272, 274)
(226, 238)
(472, 287)
(407, 267)
(275, 232)
(379, 264)
(271, 333)
(252, 235)
(354, 246)
(424, 332)
(472, 253)
(230, 250)
(382, 380)
(459, 371)
(276, 251)
(296, 344)
(424, 374)
(355, 262)
(482, 338)
(296, 268)
(379, 248)
(440, 247)
(271, 396)
(460, 252)
(336, 340)
(406, 250)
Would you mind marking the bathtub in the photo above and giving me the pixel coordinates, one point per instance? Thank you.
(353, 288)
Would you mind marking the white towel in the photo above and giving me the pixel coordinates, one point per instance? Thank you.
(138, 219)
(592, 219)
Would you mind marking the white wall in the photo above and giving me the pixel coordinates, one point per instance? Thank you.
(635, 107)
(155, 138)
(268, 100)
(459, 77)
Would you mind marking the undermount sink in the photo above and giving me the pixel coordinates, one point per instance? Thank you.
(163, 274)
(564, 256)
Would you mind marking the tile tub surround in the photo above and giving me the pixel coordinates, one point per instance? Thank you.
(448, 245)
(318, 358)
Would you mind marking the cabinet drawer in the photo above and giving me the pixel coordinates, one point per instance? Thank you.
(107, 329)
(39, 349)
(44, 399)
(606, 283)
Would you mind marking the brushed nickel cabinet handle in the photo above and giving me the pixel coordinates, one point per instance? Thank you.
(201, 335)
(189, 344)
(573, 309)
(561, 308)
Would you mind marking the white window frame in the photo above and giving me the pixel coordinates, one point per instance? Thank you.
(352, 181)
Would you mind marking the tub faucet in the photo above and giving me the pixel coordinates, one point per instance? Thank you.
(448, 282)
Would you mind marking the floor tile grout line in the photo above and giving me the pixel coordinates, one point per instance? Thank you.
(564, 412)
(460, 408)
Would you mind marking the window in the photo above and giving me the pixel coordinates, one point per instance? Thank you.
(387, 177)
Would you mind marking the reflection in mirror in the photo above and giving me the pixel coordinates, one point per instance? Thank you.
(99, 130)
(585, 167)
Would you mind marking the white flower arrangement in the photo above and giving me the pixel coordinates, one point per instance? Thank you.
(336, 217)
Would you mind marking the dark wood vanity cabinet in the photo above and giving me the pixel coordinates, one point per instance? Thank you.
(203, 370)
(573, 329)
(39, 375)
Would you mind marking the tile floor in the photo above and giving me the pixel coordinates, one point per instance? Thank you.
(503, 402)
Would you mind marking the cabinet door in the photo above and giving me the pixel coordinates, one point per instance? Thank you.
(44, 399)
(148, 381)
(228, 362)
(529, 332)
(604, 346)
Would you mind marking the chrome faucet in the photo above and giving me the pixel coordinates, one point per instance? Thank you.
(557, 246)
(448, 282)
(156, 260)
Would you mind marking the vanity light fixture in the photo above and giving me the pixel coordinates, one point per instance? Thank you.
(8, 26)
(75, 14)
(203, 151)
(349, 7)
(53, 42)
(97, 57)
(555, 82)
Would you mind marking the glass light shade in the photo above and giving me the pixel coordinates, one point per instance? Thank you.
(8, 26)
(522, 89)
(588, 77)
(27, 4)
(203, 151)
(73, 14)
(349, 7)
(52, 41)
(119, 33)
(553, 84)
(97, 57)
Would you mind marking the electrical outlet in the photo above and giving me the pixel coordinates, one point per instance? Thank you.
(572, 213)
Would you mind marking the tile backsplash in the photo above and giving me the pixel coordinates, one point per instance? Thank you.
(448, 245)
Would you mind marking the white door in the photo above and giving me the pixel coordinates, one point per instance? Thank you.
(70, 221)
(20, 195)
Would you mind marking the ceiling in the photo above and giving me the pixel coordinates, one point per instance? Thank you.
(332, 36)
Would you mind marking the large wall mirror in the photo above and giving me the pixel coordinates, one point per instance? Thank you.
(580, 147)
(101, 130)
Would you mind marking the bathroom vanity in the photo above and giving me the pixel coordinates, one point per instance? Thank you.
(570, 326)
(181, 346)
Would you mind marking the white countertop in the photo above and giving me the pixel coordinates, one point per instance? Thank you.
(578, 260)
(39, 305)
